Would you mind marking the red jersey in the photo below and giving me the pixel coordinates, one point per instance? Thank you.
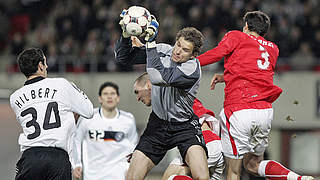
(200, 110)
(249, 68)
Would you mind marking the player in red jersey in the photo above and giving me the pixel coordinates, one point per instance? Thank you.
(246, 118)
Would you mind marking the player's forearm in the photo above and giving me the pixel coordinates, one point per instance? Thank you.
(126, 55)
(123, 49)
(85, 108)
(76, 154)
(140, 56)
(155, 67)
(211, 56)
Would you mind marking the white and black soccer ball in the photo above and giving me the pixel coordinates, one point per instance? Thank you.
(136, 20)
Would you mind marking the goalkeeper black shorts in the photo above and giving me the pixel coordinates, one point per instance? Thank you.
(161, 136)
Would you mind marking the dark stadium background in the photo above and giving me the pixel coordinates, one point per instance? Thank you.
(78, 38)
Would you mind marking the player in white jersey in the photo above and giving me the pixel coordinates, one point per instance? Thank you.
(45, 109)
(104, 141)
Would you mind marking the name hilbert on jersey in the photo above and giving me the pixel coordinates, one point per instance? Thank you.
(45, 93)
(44, 107)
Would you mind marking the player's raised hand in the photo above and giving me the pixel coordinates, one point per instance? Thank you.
(217, 78)
(77, 172)
(152, 29)
(121, 23)
(136, 42)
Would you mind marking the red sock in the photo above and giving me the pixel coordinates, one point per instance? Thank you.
(275, 171)
(179, 177)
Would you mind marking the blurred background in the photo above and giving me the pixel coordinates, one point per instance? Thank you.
(78, 38)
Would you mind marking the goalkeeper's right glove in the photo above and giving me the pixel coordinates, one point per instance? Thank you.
(152, 30)
(121, 23)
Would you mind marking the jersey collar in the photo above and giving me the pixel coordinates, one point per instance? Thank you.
(33, 80)
(102, 116)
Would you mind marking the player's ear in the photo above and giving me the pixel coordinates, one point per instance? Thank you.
(148, 84)
(41, 66)
(245, 27)
(194, 54)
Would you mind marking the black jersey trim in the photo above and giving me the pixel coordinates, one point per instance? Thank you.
(33, 80)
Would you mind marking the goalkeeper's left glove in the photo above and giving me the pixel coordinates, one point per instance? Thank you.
(152, 30)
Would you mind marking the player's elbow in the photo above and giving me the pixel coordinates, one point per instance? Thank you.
(156, 77)
(121, 61)
(90, 114)
(89, 111)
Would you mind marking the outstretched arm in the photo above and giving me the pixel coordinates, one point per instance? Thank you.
(127, 52)
(226, 46)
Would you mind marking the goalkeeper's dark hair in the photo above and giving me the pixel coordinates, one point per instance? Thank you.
(258, 22)
(194, 36)
(28, 61)
(109, 84)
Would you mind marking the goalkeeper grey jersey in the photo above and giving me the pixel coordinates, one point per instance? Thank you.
(174, 85)
(44, 107)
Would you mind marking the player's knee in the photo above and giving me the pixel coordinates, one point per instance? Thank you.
(129, 176)
(200, 176)
(251, 167)
(251, 163)
(233, 172)
(234, 169)
(132, 175)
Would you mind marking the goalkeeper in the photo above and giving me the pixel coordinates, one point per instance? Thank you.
(175, 75)
(210, 129)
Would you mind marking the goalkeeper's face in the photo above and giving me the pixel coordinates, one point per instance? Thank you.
(182, 51)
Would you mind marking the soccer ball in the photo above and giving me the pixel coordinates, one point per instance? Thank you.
(136, 20)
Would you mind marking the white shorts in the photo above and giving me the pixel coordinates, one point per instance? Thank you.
(215, 160)
(245, 131)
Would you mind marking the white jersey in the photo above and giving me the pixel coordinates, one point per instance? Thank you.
(44, 107)
(105, 143)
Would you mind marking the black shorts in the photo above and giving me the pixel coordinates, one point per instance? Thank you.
(42, 163)
(161, 136)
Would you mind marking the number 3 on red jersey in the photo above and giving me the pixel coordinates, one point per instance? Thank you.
(263, 65)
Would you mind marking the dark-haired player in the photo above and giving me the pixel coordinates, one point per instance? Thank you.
(249, 93)
(45, 109)
(104, 141)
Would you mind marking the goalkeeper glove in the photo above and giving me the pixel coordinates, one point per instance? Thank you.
(152, 30)
(121, 23)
